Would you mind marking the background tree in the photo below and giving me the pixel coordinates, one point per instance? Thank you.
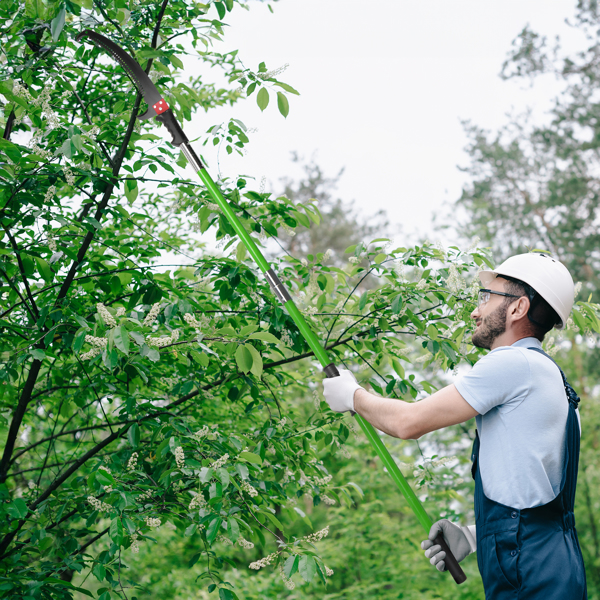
(536, 186)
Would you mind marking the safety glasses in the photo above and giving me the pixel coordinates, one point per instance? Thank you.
(485, 295)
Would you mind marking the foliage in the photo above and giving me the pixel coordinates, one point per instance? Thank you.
(146, 401)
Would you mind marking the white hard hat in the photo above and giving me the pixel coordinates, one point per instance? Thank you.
(546, 275)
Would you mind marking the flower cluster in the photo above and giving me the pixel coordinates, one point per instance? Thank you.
(245, 543)
(108, 319)
(286, 338)
(198, 501)
(289, 584)
(99, 505)
(190, 319)
(454, 282)
(179, 457)
(103, 468)
(134, 543)
(220, 462)
(151, 522)
(132, 462)
(225, 540)
(146, 495)
(263, 562)
(328, 571)
(91, 353)
(323, 480)
(152, 314)
(354, 260)
(251, 491)
(317, 536)
(164, 340)
(96, 341)
(201, 433)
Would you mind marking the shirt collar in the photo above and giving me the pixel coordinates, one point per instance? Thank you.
(528, 342)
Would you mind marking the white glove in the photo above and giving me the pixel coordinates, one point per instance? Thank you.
(460, 540)
(339, 391)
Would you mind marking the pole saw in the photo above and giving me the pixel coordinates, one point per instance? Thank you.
(159, 109)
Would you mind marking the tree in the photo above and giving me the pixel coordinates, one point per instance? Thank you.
(138, 395)
(535, 186)
(340, 225)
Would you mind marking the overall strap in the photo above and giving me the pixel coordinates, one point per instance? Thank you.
(572, 396)
(572, 442)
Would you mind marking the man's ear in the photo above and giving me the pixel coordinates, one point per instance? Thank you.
(520, 308)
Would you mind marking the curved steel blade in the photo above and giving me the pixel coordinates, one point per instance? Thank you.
(156, 103)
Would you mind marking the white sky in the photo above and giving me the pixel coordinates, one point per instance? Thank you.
(384, 87)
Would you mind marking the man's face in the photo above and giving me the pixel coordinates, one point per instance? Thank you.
(490, 317)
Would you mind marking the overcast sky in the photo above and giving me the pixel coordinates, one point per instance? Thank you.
(384, 87)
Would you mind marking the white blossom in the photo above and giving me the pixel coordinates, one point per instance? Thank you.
(201, 433)
(454, 282)
(250, 490)
(328, 571)
(132, 462)
(220, 462)
(577, 289)
(91, 353)
(179, 457)
(135, 548)
(245, 543)
(108, 319)
(104, 468)
(289, 584)
(422, 284)
(152, 314)
(354, 260)
(327, 500)
(317, 536)
(96, 341)
(120, 312)
(151, 522)
(99, 505)
(197, 501)
(263, 562)
(190, 319)
(323, 480)
(165, 340)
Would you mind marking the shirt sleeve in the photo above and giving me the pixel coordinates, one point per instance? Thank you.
(501, 378)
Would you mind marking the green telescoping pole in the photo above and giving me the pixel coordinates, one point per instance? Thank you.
(321, 354)
(159, 109)
(311, 339)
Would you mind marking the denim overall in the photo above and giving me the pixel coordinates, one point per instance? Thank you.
(532, 553)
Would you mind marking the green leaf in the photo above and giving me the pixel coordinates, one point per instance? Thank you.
(282, 104)
(265, 336)
(116, 531)
(133, 435)
(44, 269)
(57, 24)
(213, 530)
(243, 357)
(226, 594)
(223, 475)
(380, 258)
(257, 362)
(250, 457)
(262, 98)
(38, 354)
(18, 508)
(291, 565)
(307, 568)
(221, 9)
(397, 304)
(104, 477)
(363, 301)
(233, 529)
(131, 190)
(241, 252)
(121, 339)
(287, 88)
(190, 530)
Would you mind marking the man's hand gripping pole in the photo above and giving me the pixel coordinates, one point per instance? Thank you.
(159, 109)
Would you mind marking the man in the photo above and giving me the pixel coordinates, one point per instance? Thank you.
(526, 450)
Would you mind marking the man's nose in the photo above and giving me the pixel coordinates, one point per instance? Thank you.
(475, 314)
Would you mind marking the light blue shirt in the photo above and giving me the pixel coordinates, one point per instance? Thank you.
(523, 407)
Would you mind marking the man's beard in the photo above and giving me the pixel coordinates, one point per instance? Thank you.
(491, 327)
